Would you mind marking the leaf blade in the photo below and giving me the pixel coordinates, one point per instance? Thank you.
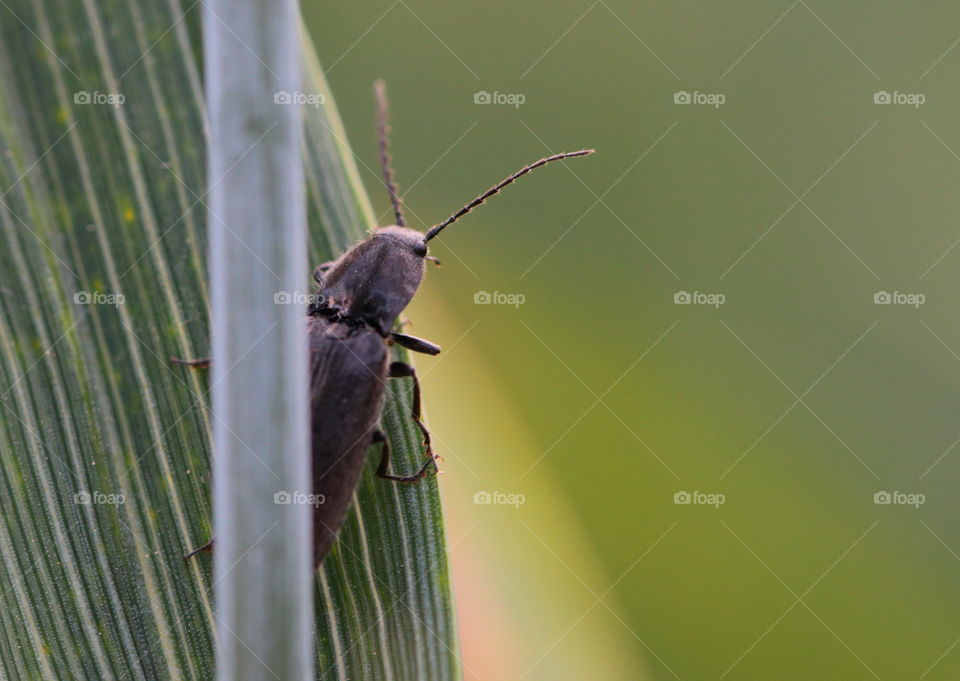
(105, 201)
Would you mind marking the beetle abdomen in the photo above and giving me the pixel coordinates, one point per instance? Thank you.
(348, 372)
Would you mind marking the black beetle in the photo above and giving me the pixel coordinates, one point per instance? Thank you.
(360, 296)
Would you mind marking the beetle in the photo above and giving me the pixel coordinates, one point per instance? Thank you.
(350, 327)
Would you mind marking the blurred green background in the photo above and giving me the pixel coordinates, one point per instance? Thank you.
(598, 399)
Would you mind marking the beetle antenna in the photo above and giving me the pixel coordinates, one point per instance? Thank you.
(433, 231)
(383, 138)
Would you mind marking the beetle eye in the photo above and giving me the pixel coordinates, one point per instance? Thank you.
(420, 249)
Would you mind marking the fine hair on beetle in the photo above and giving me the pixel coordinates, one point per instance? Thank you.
(350, 328)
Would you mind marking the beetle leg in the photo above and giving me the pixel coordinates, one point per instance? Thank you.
(403, 370)
(415, 344)
(207, 548)
(379, 436)
(203, 363)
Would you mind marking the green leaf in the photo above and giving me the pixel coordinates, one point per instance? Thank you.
(105, 197)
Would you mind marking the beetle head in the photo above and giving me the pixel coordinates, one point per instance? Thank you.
(376, 279)
(406, 239)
